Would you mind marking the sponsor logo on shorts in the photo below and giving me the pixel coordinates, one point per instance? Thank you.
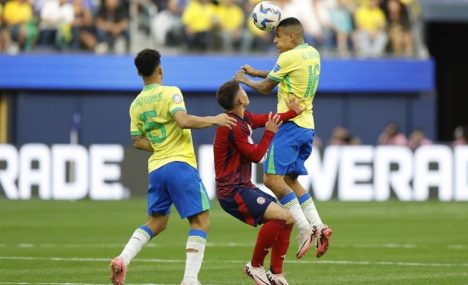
(260, 200)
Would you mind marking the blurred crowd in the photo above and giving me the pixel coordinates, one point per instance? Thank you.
(392, 135)
(363, 28)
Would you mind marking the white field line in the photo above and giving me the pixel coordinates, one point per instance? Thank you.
(56, 283)
(336, 262)
(222, 244)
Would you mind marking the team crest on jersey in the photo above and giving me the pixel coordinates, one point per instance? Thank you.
(276, 68)
(260, 200)
(177, 98)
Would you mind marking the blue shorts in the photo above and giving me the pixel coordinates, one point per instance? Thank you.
(247, 205)
(289, 150)
(178, 183)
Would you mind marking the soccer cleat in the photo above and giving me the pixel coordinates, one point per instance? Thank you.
(257, 274)
(276, 279)
(324, 239)
(305, 240)
(118, 271)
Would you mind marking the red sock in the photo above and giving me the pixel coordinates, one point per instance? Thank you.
(266, 238)
(280, 249)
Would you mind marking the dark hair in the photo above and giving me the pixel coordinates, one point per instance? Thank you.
(146, 61)
(289, 22)
(226, 94)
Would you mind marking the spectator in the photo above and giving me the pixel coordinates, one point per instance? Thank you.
(3, 33)
(460, 135)
(162, 4)
(55, 24)
(199, 18)
(371, 36)
(391, 135)
(19, 25)
(252, 37)
(417, 139)
(315, 18)
(231, 19)
(341, 136)
(82, 26)
(342, 23)
(399, 28)
(167, 28)
(112, 27)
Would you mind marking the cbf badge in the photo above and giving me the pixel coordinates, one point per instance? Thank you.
(260, 200)
(177, 98)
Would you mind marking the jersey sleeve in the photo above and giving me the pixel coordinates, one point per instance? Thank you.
(136, 127)
(259, 120)
(176, 101)
(253, 152)
(283, 66)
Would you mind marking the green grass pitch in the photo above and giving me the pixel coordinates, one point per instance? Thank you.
(56, 242)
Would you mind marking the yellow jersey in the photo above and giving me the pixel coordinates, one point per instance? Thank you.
(16, 12)
(199, 17)
(151, 114)
(298, 72)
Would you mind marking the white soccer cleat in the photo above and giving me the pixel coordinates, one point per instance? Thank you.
(257, 274)
(118, 271)
(305, 240)
(323, 241)
(276, 279)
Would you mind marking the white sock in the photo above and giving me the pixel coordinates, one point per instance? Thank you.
(140, 237)
(196, 241)
(291, 203)
(310, 211)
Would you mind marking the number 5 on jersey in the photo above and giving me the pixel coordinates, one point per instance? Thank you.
(150, 126)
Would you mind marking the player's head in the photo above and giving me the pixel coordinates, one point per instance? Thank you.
(147, 62)
(231, 94)
(289, 34)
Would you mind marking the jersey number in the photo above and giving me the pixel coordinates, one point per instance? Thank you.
(150, 126)
(313, 80)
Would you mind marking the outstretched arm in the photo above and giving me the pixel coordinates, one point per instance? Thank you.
(249, 70)
(264, 86)
(255, 152)
(186, 121)
(294, 106)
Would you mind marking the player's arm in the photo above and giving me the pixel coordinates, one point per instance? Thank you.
(186, 121)
(264, 86)
(255, 152)
(255, 72)
(294, 106)
(139, 140)
(142, 142)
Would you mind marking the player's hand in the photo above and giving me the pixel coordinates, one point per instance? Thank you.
(295, 105)
(273, 122)
(224, 120)
(249, 70)
(240, 76)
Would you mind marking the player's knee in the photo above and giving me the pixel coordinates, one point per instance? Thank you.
(287, 217)
(156, 225)
(291, 178)
(200, 221)
(273, 182)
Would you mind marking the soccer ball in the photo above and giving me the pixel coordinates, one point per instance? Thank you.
(266, 16)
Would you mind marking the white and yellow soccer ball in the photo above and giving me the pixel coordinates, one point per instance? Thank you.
(266, 16)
